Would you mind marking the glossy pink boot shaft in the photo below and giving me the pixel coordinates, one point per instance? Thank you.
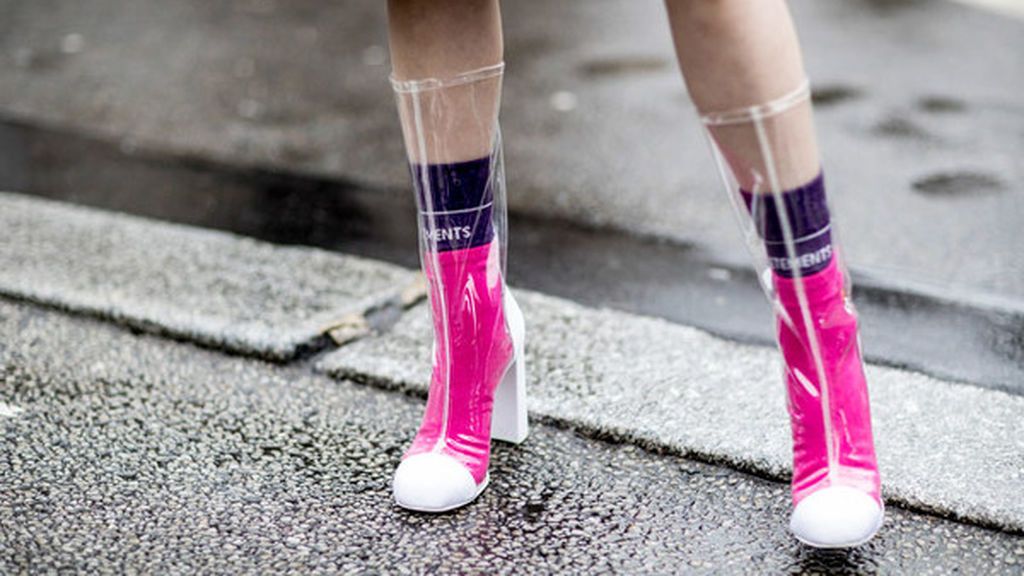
(473, 351)
(833, 447)
(478, 354)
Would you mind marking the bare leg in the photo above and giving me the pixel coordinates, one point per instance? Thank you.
(447, 59)
(741, 53)
(743, 68)
(442, 40)
(432, 39)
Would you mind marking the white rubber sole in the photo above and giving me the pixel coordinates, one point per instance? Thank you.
(442, 509)
(837, 517)
(836, 546)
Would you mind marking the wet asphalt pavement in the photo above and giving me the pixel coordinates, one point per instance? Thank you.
(128, 453)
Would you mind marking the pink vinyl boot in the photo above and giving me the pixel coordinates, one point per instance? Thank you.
(836, 485)
(768, 159)
(478, 366)
(478, 381)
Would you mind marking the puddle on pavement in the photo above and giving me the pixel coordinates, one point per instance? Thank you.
(958, 184)
(828, 95)
(941, 104)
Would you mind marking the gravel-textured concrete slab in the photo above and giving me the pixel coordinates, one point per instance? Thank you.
(137, 455)
(945, 447)
(597, 125)
(209, 287)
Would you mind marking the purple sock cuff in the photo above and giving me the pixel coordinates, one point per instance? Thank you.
(807, 213)
(456, 203)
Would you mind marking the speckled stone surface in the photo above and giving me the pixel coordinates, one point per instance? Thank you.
(133, 454)
(208, 287)
(943, 447)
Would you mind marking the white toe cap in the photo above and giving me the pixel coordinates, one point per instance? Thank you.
(433, 482)
(836, 517)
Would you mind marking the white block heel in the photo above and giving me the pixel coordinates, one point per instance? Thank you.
(508, 420)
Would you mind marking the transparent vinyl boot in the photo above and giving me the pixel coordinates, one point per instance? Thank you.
(477, 388)
(769, 163)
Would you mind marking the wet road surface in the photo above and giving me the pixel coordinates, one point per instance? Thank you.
(137, 454)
